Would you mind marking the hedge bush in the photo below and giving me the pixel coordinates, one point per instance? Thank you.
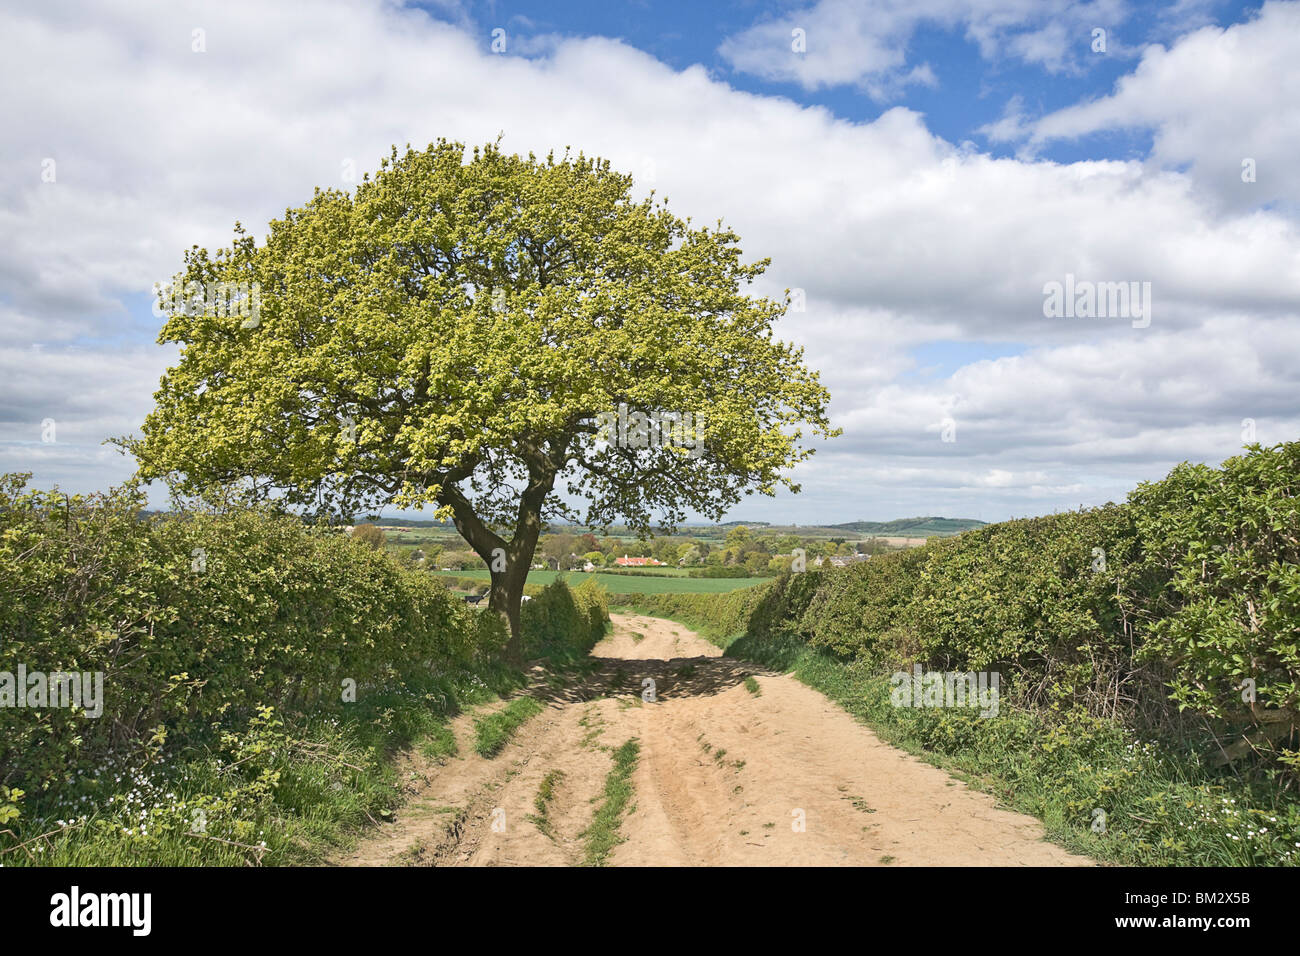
(719, 617)
(1225, 545)
(564, 619)
(722, 571)
(1156, 612)
(198, 621)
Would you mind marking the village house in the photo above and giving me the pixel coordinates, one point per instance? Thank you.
(626, 562)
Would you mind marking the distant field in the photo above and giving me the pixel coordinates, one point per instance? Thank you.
(664, 572)
(628, 583)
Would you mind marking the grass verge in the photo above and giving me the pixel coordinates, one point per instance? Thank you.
(281, 792)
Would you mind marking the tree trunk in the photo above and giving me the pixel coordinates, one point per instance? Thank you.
(506, 599)
(507, 592)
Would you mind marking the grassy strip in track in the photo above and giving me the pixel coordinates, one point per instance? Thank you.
(602, 835)
(545, 794)
(493, 732)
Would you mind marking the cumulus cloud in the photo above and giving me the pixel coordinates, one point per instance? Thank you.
(59, 404)
(865, 42)
(896, 237)
(1215, 99)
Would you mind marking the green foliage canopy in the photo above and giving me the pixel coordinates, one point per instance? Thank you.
(449, 333)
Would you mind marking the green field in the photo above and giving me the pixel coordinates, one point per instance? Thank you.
(627, 583)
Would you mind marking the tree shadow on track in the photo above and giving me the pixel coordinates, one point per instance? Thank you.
(679, 677)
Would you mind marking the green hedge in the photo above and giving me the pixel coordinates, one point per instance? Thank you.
(480, 585)
(721, 571)
(564, 619)
(198, 621)
(1218, 590)
(719, 617)
(1038, 600)
(854, 611)
(1153, 612)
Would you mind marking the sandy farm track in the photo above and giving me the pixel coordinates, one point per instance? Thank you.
(721, 774)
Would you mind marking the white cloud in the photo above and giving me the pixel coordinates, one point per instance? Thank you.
(1213, 99)
(898, 237)
(865, 42)
(1011, 126)
(58, 405)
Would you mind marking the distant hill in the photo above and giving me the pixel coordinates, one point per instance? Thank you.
(899, 527)
(911, 527)
(403, 522)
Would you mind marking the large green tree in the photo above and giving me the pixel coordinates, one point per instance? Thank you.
(460, 331)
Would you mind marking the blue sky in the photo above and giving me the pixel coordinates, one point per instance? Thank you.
(971, 91)
(920, 169)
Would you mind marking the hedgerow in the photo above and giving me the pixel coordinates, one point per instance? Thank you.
(560, 617)
(197, 621)
(1167, 613)
(719, 617)
(257, 674)
(1223, 546)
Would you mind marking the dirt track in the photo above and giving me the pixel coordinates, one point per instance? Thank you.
(724, 778)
